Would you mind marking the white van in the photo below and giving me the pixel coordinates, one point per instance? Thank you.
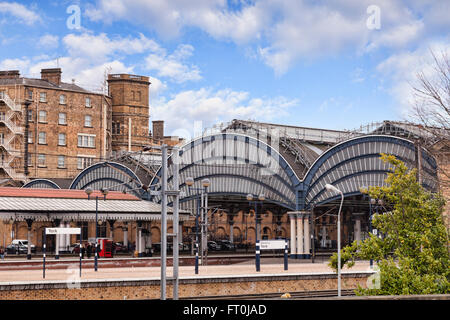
(21, 245)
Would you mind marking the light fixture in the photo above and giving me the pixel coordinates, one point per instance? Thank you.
(330, 187)
(189, 181)
(249, 197)
(261, 197)
(206, 183)
(88, 191)
(104, 191)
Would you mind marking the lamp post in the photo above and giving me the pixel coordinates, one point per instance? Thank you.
(329, 188)
(202, 203)
(257, 248)
(260, 200)
(89, 192)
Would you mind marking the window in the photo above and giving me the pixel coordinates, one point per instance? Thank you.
(62, 99)
(30, 160)
(84, 162)
(42, 138)
(61, 139)
(30, 115)
(88, 102)
(84, 230)
(30, 94)
(43, 116)
(43, 97)
(88, 121)
(61, 161)
(30, 137)
(102, 230)
(2, 115)
(41, 160)
(116, 127)
(62, 118)
(2, 138)
(86, 140)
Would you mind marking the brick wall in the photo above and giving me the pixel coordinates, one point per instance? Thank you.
(189, 287)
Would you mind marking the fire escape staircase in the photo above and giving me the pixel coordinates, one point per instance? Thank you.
(8, 142)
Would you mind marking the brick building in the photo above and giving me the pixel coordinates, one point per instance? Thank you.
(68, 128)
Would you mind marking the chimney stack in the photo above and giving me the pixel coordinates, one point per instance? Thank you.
(158, 129)
(9, 74)
(52, 75)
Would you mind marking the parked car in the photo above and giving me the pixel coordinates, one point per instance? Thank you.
(119, 247)
(214, 246)
(21, 246)
(226, 245)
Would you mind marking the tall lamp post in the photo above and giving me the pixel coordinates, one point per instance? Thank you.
(260, 200)
(330, 188)
(202, 204)
(89, 192)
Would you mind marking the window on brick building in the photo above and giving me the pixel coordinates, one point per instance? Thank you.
(30, 160)
(30, 94)
(84, 231)
(41, 160)
(62, 118)
(43, 97)
(2, 115)
(30, 137)
(61, 161)
(62, 99)
(61, 139)
(86, 140)
(42, 138)
(2, 138)
(42, 116)
(88, 102)
(84, 162)
(30, 115)
(88, 121)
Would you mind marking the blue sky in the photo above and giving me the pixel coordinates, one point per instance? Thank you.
(334, 64)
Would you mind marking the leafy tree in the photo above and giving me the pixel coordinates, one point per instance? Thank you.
(413, 252)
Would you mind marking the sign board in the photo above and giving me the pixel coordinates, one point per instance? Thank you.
(272, 244)
(62, 230)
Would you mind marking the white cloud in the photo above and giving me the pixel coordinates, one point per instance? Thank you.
(19, 11)
(210, 107)
(286, 31)
(15, 64)
(401, 70)
(172, 66)
(49, 41)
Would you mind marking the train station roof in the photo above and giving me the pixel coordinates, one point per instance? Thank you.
(48, 204)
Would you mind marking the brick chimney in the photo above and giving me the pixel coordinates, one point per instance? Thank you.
(9, 74)
(158, 129)
(52, 75)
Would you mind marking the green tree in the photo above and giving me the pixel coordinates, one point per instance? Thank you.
(413, 253)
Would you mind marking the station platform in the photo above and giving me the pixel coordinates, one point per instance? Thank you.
(269, 266)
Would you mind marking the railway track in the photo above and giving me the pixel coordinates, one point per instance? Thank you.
(276, 296)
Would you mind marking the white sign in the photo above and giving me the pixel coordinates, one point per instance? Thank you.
(62, 230)
(272, 244)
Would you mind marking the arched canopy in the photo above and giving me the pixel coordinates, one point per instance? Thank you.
(236, 165)
(111, 175)
(41, 184)
(356, 163)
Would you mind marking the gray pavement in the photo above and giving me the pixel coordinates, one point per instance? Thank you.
(269, 266)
